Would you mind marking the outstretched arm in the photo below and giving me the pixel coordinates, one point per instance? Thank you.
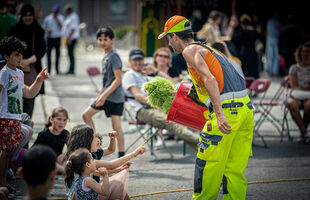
(138, 95)
(119, 161)
(32, 91)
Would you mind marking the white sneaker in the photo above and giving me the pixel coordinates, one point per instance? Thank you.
(159, 143)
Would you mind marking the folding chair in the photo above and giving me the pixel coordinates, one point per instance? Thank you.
(92, 72)
(267, 105)
(285, 126)
(147, 134)
(259, 86)
(248, 81)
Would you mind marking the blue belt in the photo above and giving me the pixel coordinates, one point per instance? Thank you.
(227, 105)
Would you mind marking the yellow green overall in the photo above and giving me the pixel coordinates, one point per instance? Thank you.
(222, 158)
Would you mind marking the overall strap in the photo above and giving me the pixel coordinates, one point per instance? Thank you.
(202, 44)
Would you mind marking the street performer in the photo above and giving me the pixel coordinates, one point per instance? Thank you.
(225, 141)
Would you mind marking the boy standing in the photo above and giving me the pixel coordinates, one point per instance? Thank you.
(39, 171)
(12, 91)
(111, 95)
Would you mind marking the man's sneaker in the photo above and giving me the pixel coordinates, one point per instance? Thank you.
(159, 144)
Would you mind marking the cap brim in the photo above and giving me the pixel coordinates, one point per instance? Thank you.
(136, 56)
(162, 35)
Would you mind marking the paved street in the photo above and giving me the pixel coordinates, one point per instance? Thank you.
(281, 160)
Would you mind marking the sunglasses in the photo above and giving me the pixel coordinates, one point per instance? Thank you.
(162, 56)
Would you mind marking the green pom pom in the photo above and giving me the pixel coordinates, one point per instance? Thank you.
(160, 93)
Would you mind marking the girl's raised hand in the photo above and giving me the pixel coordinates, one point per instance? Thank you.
(140, 150)
(113, 134)
(126, 165)
(102, 171)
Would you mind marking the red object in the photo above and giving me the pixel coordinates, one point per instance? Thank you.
(185, 111)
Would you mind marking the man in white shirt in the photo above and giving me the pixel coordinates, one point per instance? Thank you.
(133, 81)
(71, 33)
(52, 25)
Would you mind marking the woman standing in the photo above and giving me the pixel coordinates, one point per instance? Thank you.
(29, 31)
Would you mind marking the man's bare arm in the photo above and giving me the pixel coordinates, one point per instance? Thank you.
(138, 95)
(194, 56)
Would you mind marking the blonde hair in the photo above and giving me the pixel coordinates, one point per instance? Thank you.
(165, 49)
(55, 113)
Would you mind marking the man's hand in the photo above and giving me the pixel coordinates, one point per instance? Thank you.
(69, 41)
(149, 69)
(43, 75)
(223, 125)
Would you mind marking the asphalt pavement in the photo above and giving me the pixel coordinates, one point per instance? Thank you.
(280, 171)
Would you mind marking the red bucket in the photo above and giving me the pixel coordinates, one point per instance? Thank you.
(185, 111)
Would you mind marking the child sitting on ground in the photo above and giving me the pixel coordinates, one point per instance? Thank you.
(82, 136)
(104, 151)
(39, 171)
(12, 91)
(81, 162)
(55, 135)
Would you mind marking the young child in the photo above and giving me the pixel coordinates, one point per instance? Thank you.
(111, 96)
(39, 171)
(12, 91)
(82, 163)
(104, 151)
(55, 135)
(82, 136)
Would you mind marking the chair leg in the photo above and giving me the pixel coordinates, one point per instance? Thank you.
(262, 138)
(142, 135)
(165, 146)
(184, 148)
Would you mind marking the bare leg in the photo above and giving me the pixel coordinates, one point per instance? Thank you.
(294, 106)
(5, 157)
(306, 118)
(87, 116)
(116, 124)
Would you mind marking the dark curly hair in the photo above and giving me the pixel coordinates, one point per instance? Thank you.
(81, 137)
(10, 44)
(76, 164)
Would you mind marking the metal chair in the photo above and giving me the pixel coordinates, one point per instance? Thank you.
(266, 106)
(146, 132)
(92, 72)
(259, 87)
